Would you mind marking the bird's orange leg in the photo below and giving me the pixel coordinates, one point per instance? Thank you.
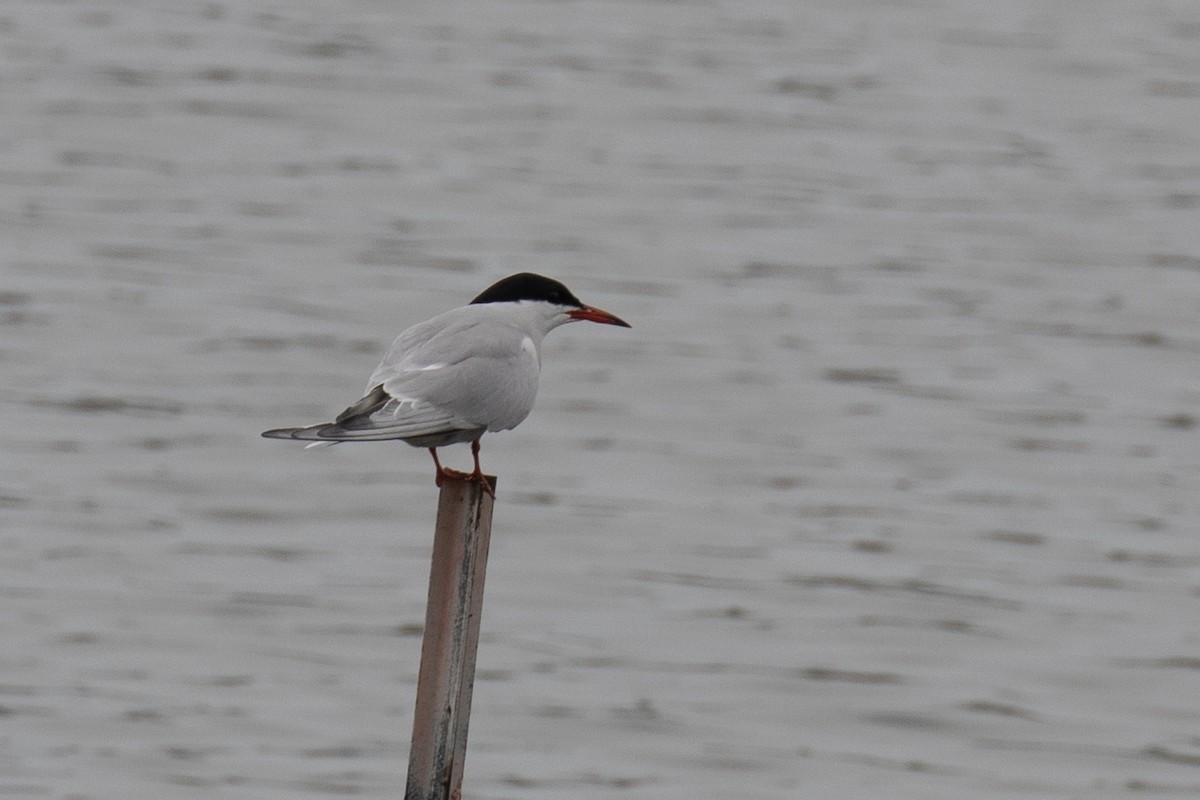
(477, 475)
(444, 472)
(440, 475)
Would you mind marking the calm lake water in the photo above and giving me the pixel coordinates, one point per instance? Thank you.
(892, 491)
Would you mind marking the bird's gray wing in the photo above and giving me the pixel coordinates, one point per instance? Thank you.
(469, 364)
(379, 416)
(444, 380)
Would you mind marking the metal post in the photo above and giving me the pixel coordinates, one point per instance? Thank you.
(447, 675)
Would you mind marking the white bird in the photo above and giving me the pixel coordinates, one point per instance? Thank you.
(452, 378)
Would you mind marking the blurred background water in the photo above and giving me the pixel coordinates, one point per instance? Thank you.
(891, 492)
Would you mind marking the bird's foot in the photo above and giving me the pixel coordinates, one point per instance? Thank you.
(446, 472)
(478, 475)
(474, 477)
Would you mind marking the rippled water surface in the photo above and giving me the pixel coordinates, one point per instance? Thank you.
(892, 491)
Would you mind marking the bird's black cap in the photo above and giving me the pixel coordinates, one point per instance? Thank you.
(528, 286)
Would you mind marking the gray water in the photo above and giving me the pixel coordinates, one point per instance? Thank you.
(892, 491)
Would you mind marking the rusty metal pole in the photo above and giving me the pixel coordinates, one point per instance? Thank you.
(447, 675)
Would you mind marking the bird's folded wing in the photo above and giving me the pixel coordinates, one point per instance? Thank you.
(379, 416)
(439, 377)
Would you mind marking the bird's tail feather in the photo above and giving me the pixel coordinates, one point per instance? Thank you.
(309, 433)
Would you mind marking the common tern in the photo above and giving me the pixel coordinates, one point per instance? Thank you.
(460, 374)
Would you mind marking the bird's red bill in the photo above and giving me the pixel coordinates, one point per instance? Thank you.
(596, 315)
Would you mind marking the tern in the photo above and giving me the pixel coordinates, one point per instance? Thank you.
(460, 374)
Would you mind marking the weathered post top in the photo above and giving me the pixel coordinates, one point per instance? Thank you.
(447, 673)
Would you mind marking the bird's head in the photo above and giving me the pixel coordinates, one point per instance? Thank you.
(526, 287)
